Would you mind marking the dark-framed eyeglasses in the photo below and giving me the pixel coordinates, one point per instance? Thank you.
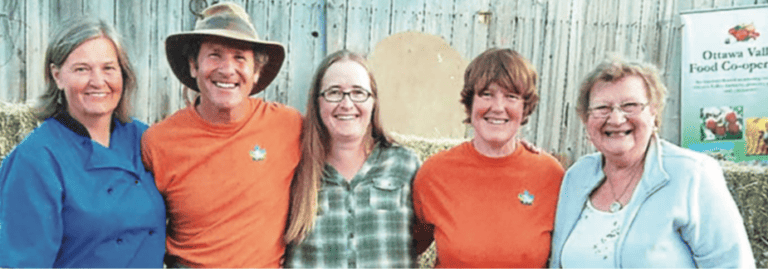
(628, 108)
(357, 95)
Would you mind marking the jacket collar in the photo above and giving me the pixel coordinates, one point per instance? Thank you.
(654, 172)
(71, 123)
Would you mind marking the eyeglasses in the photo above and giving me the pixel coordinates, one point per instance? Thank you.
(629, 109)
(357, 95)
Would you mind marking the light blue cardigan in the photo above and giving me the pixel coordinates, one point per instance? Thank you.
(686, 218)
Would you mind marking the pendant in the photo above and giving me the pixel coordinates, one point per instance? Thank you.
(615, 207)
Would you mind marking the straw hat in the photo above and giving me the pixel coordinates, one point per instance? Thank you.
(227, 20)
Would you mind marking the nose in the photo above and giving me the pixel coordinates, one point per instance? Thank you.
(617, 116)
(98, 78)
(226, 66)
(346, 100)
(498, 102)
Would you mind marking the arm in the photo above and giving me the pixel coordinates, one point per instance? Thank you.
(31, 201)
(423, 232)
(716, 233)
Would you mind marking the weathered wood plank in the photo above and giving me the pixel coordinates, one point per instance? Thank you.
(12, 30)
(358, 25)
(164, 88)
(437, 18)
(133, 22)
(380, 23)
(407, 16)
(303, 58)
(278, 28)
(336, 24)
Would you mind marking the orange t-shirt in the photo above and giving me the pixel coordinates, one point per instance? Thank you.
(487, 212)
(226, 186)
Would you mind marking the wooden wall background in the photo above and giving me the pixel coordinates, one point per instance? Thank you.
(564, 39)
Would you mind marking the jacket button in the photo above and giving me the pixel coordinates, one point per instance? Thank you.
(109, 190)
(119, 241)
(151, 232)
(137, 182)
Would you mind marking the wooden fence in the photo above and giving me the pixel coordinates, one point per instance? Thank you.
(563, 38)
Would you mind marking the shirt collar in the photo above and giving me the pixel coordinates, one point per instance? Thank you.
(71, 123)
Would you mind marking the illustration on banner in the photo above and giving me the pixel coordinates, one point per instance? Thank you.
(757, 136)
(722, 123)
(743, 32)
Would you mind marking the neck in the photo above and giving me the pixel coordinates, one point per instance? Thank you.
(218, 115)
(98, 128)
(347, 157)
(495, 150)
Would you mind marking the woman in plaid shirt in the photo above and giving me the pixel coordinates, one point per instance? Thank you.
(351, 196)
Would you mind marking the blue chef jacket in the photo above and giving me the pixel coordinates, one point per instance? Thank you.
(66, 201)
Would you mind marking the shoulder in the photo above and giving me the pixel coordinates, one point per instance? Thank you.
(456, 153)
(586, 166)
(543, 161)
(38, 148)
(135, 125)
(159, 130)
(275, 108)
(453, 158)
(682, 163)
(401, 154)
(45, 135)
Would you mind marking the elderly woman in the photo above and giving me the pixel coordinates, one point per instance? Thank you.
(490, 202)
(74, 193)
(351, 196)
(641, 201)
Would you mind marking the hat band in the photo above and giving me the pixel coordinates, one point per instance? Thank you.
(227, 24)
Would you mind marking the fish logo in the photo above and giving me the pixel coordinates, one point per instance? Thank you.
(525, 198)
(258, 153)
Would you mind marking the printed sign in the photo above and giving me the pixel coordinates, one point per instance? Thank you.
(724, 83)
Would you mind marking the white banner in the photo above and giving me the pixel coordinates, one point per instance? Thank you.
(724, 87)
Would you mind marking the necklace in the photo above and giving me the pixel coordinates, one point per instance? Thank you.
(616, 205)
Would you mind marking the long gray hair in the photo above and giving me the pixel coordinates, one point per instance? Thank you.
(66, 38)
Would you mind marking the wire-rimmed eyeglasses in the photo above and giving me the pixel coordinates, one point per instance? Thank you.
(628, 108)
(357, 95)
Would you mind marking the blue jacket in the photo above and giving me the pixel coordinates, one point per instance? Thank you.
(686, 218)
(66, 201)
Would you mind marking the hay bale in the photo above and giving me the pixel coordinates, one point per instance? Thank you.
(426, 147)
(749, 186)
(16, 121)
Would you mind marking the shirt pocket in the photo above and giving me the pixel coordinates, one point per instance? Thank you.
(387, 193)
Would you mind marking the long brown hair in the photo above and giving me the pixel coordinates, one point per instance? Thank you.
(315, 146)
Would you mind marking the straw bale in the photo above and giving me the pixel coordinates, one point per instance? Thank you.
(16, 121)
(749, 186)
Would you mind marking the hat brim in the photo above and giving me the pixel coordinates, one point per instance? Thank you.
(174, 51)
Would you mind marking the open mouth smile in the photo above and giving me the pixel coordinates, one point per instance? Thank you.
(617, 133)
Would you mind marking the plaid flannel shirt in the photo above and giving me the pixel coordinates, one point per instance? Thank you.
(365, 222)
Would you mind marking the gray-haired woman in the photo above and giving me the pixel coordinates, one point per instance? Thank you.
(75, 193)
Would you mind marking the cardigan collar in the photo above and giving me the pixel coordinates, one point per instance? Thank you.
(654, 173)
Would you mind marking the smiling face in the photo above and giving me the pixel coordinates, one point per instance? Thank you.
(621, 135)
(91, 79)
(346, 120)
(225, 72)
(496, 116)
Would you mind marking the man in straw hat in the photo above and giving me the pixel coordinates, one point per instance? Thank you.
(224, 163)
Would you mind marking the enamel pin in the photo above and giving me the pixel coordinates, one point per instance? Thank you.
(525, 198)
(258, 153)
